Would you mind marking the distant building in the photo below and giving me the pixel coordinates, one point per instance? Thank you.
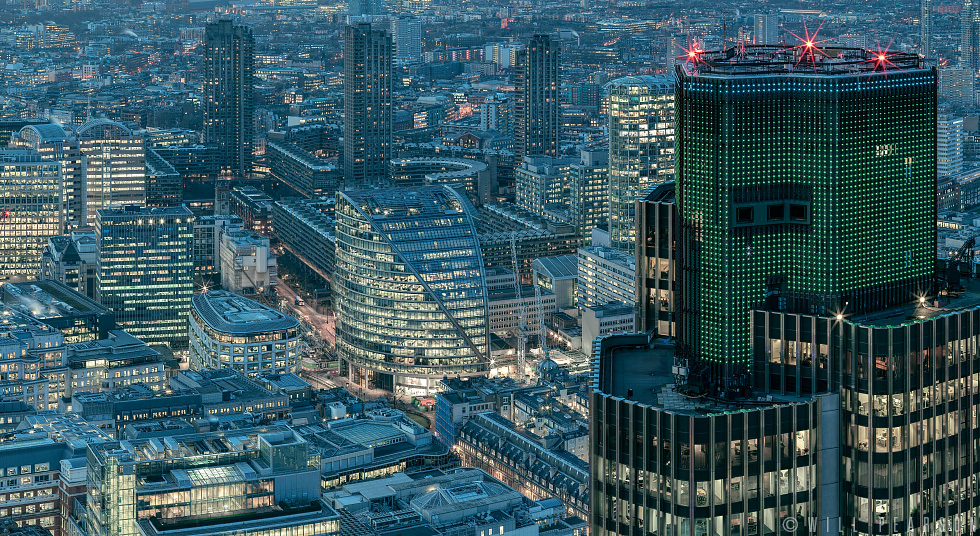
(31, 201)
(497, 114)
(115, 165)
(117, 361)
(536, 108)
(230, 331)
(32, 356)
(474, 175)
(504, 309)
(560, 276)
(609, 318)
(53, 142)
(407, 34)
(949, 146)
(367, 105)
(228, 101)
(641, 147)
(970, 35)
(656, 255)
(35, 491)
(207, 241)
(164, 184)
(255, 481)
(765, 29)
(146, 270)
(956, 86)
(253, 206)
(78, 317)
(542, 183)
(588, 191)
(605, 275)
(493, 443)
(301, 170)
(305, 229)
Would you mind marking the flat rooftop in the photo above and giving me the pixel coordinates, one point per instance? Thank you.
(916, 311)
(644, 370)
(230, 313)
(797, 58)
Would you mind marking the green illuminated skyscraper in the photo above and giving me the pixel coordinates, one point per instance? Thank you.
(806, 182)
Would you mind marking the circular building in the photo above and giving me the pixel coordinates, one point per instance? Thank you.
(231, 331)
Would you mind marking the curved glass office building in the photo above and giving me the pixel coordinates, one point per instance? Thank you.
(641, 147)
(411, 296)
(230, 331)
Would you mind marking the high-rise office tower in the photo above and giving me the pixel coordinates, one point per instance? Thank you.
(367, 105)
(537, 112)
(410, 289)
(146, 270)
(641, 147)
(795, 213)
(115, 165)
(229, 104)
(803, 251)
(31, 200)
(407, 34)
(656, 260)
(970, 35)
(949, 145)
(53, 142)
(765, 29)
(925, 28)
(542, 183)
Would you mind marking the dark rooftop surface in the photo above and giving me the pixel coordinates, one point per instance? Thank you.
(918, 311)
(644, 370)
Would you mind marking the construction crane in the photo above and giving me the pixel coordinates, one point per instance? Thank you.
(522, 329)
(542, 329)
(965, 255)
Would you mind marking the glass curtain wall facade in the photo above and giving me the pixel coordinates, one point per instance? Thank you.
(821, 198)
(115, 165)
(53, 143)
(909, 396)
(641, 147)
(411, 295)
(31, 200)
(712, 469)
(146, 270)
